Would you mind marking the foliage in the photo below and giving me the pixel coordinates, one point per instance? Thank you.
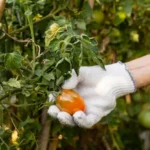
(41, 41)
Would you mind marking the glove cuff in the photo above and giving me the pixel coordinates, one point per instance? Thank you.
(124, 81)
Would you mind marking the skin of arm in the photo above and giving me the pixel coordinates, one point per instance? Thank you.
(2, 7)
(140, 71)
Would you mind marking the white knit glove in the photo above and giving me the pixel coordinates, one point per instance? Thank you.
(99, 88)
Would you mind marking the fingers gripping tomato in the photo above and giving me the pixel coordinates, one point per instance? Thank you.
(70, 101)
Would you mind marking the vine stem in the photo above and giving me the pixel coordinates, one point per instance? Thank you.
(113, 139)
(50, 15)
(30, 22)
(10, 93)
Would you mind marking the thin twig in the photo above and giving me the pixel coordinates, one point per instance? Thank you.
(113, 139)
(15, 39)
(36, 45)
(12, 122)
(53, 144)
(35, 22)
(25, 69)
(10, 93)
(42, 54)
(106, 144)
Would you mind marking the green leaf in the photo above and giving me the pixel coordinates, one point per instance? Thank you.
(89, 50)
(27, 121)
(87, 11)
(61, 20)
(26, 92)
(60, 81)
(119, 18)
(1, 114)
(39, 72)
(54, 46)
(64, 65)
(49, 76)
(13, 60)
(81, 24)
(13, 83)
(127, 7)
(58, 73)
(28, 12)
(77, 57)
(9, 1)
(47, 63)
(3, 74)
(2, 56)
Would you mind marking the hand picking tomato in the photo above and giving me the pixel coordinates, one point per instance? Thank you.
(70, 101)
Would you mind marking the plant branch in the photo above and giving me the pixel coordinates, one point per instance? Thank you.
(53, 145)
(50, 15)
(10, 93)
(35, 22)
(14, 38)
(113, 139)
(42, 54)
(30, 21)
(45, 132)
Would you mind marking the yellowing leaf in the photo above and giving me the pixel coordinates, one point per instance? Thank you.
(14, 137)
(51, 33)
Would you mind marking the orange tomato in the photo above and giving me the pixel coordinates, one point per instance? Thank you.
(70, 101)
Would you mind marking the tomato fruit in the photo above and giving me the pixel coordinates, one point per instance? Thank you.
(70, 101)
(144, 118)
(98, 16)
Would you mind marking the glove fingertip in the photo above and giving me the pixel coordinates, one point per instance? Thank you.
(71, 82)
(51, 98)
(53, 111)
(65, 119)
(85, 121)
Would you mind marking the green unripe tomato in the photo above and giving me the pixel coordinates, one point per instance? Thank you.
(98, 16)
(144, 118)
(115, 32)
(134, 36)
(121, 15)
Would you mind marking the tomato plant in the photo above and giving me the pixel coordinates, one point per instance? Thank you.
(41, 41)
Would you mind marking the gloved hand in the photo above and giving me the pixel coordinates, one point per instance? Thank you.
(99, 88)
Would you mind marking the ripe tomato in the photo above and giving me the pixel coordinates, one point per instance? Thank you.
(70, 101)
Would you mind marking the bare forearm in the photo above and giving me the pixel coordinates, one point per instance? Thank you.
(140, 70)
(139, 62)
(2, 7)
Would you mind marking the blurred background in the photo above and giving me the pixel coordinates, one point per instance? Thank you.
(122, 30)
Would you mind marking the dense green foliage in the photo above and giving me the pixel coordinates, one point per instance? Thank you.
(41, 41)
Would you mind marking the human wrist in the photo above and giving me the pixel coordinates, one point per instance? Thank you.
(141, 76)
(138, 63)
(122, 80)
